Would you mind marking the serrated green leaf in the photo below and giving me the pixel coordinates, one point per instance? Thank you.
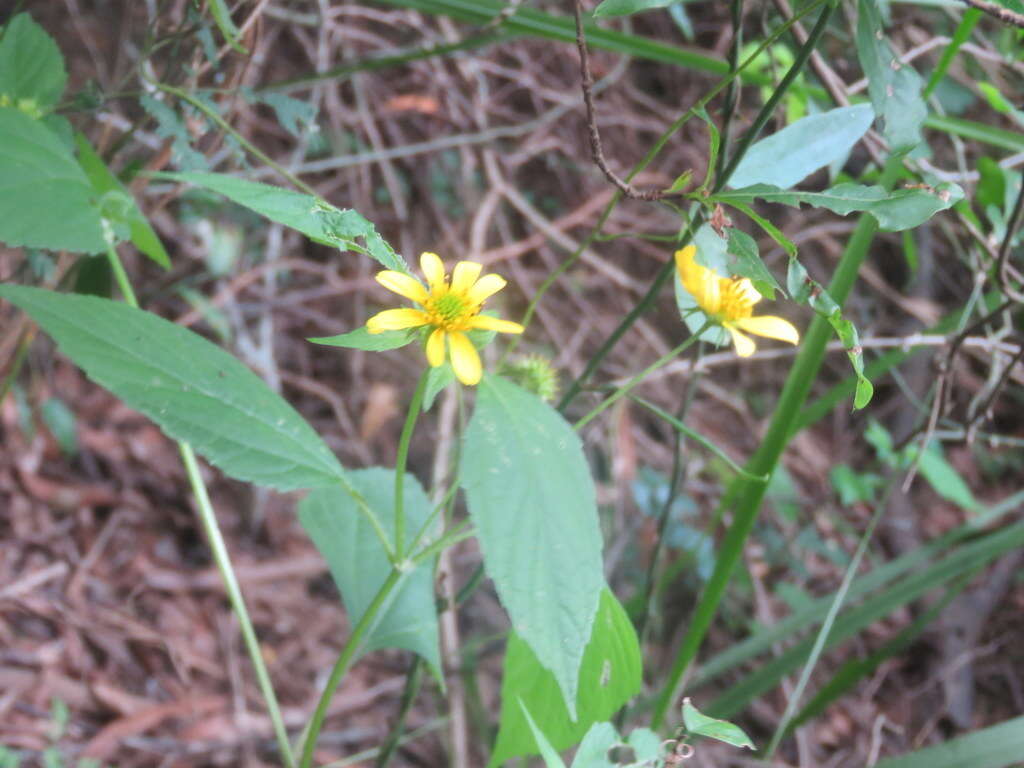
(895, 211)
(46, 201)
(194, 390)
(894, 87)
(699, 724)
(360, 338)
(744, 260)
(103, 181)
(629, 7)
(359, 564)
(794, 153)
(610, 674)
(31, 66)
(315, 218)
(532, 500)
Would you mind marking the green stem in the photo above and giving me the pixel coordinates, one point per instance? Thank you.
(220, 552)
(224, 125)
(341, 666)
(773, 101)
(625, 388)
(829, 620)
(227, 574)
(744, 495)
(403, 456)
(120, 275)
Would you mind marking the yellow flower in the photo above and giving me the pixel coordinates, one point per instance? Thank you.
(730, 303)
(450, 308)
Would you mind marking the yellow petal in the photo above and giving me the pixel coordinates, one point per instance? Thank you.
(403, 285)
(746, 289)
(744, 345)
(771, 327)
(433, 270)
(464, 275)
(395, 320)
(486, 286)
(699, 281)
(488, 323)
(435, 348)
(465, 359)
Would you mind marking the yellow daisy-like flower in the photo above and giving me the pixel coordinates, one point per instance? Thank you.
(731, 303)
(450, 308)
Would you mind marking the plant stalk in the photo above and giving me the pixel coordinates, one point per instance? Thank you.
(400, 462)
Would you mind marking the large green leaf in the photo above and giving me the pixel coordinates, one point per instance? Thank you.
(46, 201)
(532, 500)
(313, 217)
(998, 746)
(360, 565)
(104, 182)
(31, 66)
(194, 390)
(895, 211)
(609, 676)
(790, 155)
(894, 87)
(628, 7)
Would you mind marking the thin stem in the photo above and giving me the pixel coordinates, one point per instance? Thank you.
(697, 437)
(413, 679)
(220, 552)
(227, 574)
(120, 275)
(828, 621)
(766, 111)
(732, 92)
(743, 496)
(403, 456)
(224, 125)
(625, 388)
(341, 666)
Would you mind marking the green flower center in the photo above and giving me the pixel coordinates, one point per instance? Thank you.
(448, 310)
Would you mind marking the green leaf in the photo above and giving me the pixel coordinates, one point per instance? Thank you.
(222, 18)
(194, 390)
(894, 87)
(998, 746)
(532, 500)
(945, 480)
(701, 725)
(792, 154)
(46, 201)
(439, 377)
(593, 750)
(316, 219)
(628, 7)
(544, 748)
(744, 260)
(360, 338)
(103, 181)
(61, 422)
(610, 675)
(359, 564)
(31, 67)
(894, 211)
(805, 290)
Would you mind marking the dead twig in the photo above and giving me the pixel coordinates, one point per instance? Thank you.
(596, 151)
(997, 11)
